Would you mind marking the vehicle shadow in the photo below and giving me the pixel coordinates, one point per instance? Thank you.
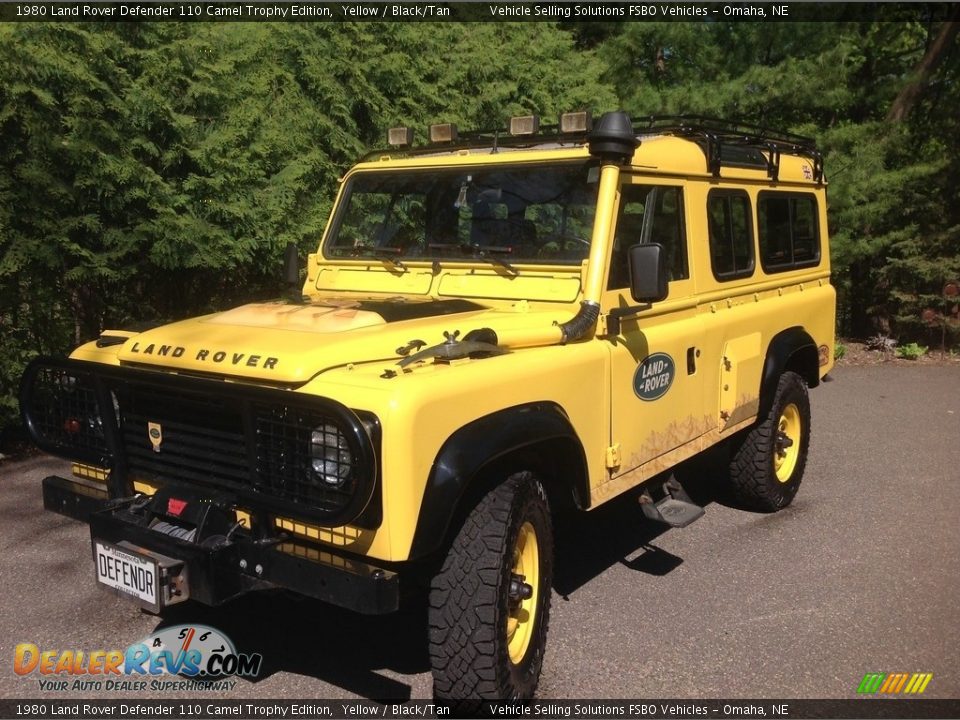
(587, 544)
(308, 637)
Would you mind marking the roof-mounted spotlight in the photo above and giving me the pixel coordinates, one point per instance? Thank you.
(400, 137)
(524, 124)
(443, 133)
(576, 122)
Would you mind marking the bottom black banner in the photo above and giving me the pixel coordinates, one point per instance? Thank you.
(360, 710)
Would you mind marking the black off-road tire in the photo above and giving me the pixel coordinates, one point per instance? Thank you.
(469, 603)
(753, 473)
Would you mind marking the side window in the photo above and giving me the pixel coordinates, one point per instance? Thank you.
(788, 230)
(731, 234)
(649, 214)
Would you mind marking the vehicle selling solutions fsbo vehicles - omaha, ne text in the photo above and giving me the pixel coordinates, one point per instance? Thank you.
(495, 328)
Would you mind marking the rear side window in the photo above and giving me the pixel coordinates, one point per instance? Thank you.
(788, 230)
(731, 234)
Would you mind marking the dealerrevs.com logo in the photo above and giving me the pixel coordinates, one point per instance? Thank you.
(203, 658)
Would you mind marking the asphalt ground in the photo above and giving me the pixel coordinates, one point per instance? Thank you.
(859, 575)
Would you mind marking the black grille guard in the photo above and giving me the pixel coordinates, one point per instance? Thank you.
(256, 443)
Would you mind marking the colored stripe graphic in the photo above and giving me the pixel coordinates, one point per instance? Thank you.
(903, 680)
(919, 681)
(871, 682)
(889, 682)
(894, 683)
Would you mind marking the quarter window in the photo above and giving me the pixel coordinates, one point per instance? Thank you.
(731, 234)
(788, 230)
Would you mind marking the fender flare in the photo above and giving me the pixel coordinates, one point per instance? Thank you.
(483, 441)
(791, 348)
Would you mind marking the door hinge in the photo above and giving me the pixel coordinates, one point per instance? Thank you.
(613, 456)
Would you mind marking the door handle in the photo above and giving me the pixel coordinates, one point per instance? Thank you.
(692, 355)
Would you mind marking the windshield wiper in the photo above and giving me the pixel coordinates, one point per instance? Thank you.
(387, 254)
(485, 252)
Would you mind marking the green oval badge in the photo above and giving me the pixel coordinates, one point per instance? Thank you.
(653, 377)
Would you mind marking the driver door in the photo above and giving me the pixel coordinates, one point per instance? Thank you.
(656, 379)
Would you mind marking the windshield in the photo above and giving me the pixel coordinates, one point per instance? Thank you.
(519, 214)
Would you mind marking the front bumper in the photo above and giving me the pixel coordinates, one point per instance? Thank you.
(235, 566)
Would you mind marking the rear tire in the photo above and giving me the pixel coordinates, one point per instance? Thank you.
(486, 638)
(767, 468)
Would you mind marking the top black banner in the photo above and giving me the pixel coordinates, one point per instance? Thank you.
(491, 11)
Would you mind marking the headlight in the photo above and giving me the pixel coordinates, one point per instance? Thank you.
(332, 460)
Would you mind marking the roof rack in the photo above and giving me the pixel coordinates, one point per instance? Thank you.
(722, 139)
(724, 142)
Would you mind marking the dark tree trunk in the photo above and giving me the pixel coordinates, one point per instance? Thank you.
(910, 93)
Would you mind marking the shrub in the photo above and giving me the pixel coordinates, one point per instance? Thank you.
(911, 351)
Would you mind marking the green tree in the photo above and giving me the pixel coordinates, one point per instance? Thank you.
(882, 100)
(68, 182)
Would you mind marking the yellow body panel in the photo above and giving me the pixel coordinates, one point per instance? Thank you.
(90, 472)
(421, 409)
(716, 333)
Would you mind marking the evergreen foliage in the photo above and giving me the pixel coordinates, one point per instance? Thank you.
(150, 171)
(894, 210)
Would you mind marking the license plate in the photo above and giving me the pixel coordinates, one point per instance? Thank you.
(131, 573)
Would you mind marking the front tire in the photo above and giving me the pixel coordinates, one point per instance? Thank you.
(767, 468)
(490, 604)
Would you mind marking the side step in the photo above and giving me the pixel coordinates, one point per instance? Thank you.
(675, 507)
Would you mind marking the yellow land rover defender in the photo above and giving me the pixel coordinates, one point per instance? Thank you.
(494, 327)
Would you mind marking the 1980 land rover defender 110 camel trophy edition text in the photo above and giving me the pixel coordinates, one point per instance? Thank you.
(495, 327)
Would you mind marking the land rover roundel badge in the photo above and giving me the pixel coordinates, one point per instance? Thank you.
(654, 376)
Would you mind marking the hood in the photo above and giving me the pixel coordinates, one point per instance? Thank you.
(279, 342)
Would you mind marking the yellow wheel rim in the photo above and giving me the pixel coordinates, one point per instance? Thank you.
(786, 444)
(522, 613)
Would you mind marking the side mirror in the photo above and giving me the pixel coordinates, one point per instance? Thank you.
(648, 272)
(291, 273)
(291, 265)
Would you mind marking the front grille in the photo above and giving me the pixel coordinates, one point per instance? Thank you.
(65, 410)
(272, 449)
(202, 439)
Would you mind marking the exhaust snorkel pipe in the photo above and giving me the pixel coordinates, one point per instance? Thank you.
(614, 142)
